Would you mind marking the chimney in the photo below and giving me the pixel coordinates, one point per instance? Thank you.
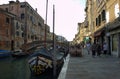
(17, 1)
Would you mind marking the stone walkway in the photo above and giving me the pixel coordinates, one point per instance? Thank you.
(87, 67)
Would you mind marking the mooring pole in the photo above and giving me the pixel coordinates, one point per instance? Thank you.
(54, 47)
(46, 22)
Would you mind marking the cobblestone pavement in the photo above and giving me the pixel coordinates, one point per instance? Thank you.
(87, 67)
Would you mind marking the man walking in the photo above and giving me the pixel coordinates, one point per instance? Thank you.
(93, 48)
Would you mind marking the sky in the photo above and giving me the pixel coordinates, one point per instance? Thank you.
(68, 13)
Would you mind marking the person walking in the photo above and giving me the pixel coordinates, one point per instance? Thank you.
(93, 48)
(98, 49)
(105, 47)
(88, 46)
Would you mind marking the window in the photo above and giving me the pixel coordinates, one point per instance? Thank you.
(17, 27)
(39, 24)
(6, 9)
(17, 33)
(96, 21)
(103, 15)
(22, 16)
(22, 6)
(22, 34)
(99, 20)
(7, 20)
(22, 28)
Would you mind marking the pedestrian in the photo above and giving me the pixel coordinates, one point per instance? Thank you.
(105, 47)
(98, 49)
(93, 48)
(88, 46)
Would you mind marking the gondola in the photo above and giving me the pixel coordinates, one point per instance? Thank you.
(5, 53)
(41, 61)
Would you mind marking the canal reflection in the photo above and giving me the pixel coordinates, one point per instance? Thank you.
(18, 68)
(12, 68)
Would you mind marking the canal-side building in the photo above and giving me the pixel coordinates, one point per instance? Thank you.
(88, 22)
(6, 20)
(95, 18)
(5, 29)
(17, 34)
(82, 32)
(77, 36)
(103, 22)
(11, 31)
(113, 26)
(32, 21)
(99, 21)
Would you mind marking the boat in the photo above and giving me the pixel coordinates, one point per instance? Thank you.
(5, 53)
(18, 53)
(41, 61)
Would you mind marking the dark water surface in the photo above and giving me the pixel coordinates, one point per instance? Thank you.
(12, 68)
(17, 68)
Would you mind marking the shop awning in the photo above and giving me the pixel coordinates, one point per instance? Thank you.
(97, 34)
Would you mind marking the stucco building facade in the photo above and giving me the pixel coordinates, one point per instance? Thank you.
(27, 25)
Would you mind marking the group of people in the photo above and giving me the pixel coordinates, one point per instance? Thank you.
(96, 48)
(76, 50)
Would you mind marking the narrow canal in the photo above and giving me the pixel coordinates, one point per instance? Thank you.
(12, 68)
(17, 68)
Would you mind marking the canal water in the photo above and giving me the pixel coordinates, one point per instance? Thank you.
(12, 68)
(17, 68)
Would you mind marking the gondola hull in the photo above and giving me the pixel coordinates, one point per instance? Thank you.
(39, 64)
(42, 62)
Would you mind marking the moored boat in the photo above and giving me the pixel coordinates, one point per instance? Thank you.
(4, 53)
(40, 62)
(18, 53)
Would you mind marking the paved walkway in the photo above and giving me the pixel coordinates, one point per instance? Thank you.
(87, 67)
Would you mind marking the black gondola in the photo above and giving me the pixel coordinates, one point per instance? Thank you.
(41, 61)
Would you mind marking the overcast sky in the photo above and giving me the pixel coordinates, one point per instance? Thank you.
(67, 14)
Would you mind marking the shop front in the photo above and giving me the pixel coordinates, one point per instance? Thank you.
(99, 36)
(114, 38)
